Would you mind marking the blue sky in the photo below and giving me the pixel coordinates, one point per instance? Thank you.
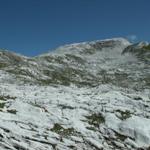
(32, 27)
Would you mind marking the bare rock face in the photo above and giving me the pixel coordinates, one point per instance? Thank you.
(90, 95)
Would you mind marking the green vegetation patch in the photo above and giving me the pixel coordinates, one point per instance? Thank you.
(147, 47)
(147, 80)
(62, 131)
(75, 58)
(54, 59)
(19, 71)
(124, 114)
(95, 119)
(12, 111)
(138, 98)
(68, 75)
(120, 136)
(6, 97)
(92, 129)
(65, 106)
(3, 65)
(2, 105)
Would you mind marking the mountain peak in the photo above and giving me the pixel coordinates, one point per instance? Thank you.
(98, 44)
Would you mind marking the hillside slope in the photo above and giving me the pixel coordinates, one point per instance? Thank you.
(90, 95)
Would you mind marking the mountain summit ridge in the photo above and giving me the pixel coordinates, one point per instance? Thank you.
(120, 39)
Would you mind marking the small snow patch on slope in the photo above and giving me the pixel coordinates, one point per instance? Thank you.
(137, 128)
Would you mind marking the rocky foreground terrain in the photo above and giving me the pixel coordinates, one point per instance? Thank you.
(84, 96)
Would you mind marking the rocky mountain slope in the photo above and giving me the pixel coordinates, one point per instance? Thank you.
(91, 95)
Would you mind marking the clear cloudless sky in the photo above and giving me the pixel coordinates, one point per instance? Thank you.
(32, 27)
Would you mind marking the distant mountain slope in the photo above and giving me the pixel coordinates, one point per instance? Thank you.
(88, 63)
